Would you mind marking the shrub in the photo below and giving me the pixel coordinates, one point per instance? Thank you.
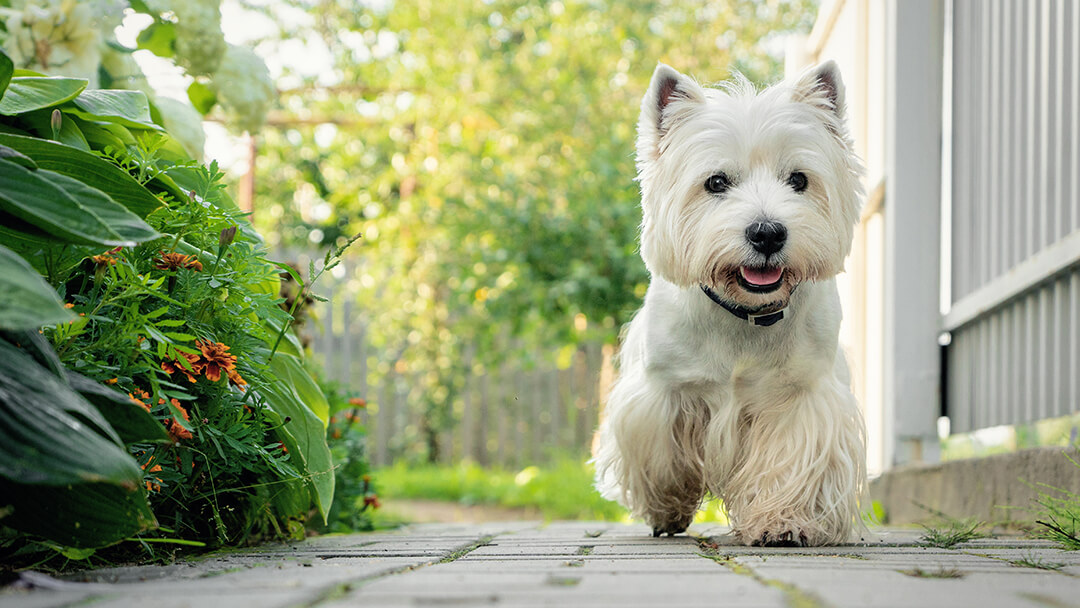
(150, 388)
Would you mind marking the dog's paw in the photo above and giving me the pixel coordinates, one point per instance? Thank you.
(786, 538)
(672, 526)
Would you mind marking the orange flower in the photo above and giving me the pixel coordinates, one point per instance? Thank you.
(217, 359)
(176, 431)
(69, 305)
(170, 366)
(112, 381)
(358, 402)
(103, 259)
(176, 261)
(138, 397)
(372, 500)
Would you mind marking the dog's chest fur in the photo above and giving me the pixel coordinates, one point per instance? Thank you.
(685, 341)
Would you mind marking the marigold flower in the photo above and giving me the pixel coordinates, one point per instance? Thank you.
(103, 259)
(176, 431)
(372, 500)
(137, 395)
(217, 358)
(176, 261)
(69, 305)
(358, 402)
(171, 366)
(112, 381)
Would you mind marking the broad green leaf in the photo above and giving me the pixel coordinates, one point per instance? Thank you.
(128, 108)
(6, 68)
(102, 135)
(159, 38)
(87, 168)
(289, 369)
(202, 97)
(307, 434)
(50, 435)
(130, 421)
(80, 216)
(123, 222)
(40, 123)
(13, 155)
(34, 343)
(28, 93)
(26, 300)
(83, 515)
(37, 247)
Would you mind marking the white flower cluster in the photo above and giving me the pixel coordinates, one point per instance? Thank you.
(59, 36)
(68, 37)
(244, 88)
(200, 43)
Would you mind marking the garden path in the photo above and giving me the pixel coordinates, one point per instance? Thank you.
(571, 564)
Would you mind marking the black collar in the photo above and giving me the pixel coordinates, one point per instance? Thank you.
(745, 314)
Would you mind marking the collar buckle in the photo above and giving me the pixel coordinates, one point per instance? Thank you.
(756, 320)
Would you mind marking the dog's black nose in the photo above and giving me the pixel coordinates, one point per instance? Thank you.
(766, 237)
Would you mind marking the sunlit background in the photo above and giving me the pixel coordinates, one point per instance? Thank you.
(484, 152)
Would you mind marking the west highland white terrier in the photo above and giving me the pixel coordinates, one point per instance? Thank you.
(730, 377)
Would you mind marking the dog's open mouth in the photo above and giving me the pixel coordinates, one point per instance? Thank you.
(760, 280)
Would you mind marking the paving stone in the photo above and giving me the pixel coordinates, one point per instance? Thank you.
(883, 585)
(571, 564)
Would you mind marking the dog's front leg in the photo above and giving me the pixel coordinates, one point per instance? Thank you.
(649, 454)
(800, 469)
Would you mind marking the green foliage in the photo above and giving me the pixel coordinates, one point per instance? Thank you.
(489, 163)
(151, 406)
(26, 300)
(947, 532)
(354, 493)
(1058, 513)
(561, 491)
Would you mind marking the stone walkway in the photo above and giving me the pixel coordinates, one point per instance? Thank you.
(578, 564)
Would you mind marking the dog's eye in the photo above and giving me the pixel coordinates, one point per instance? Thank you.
(718, 184)
(797, 181)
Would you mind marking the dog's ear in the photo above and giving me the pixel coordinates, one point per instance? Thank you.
(822, 86)
(667, 87)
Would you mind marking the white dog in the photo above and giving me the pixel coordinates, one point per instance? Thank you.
(730, 376)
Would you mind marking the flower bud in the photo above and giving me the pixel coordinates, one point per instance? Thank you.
(226, 237)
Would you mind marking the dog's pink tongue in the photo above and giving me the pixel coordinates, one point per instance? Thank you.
(761, 276)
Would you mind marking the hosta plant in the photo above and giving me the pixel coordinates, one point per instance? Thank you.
(150, 387)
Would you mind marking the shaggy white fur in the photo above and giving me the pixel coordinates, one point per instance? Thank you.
(760, 416)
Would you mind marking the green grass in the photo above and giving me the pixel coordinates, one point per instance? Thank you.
(1058, 512)
(1034, 561)
(561, 490)
(941, 572)
(948, 531)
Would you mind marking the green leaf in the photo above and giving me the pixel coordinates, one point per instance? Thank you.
(102, 135)
(125, 223)
(6, 68)
(27, 93)
(26, 300)
(130, 421)
(40, 122)
(159, 38)
(128, 108)
(304, 434)
(87, 168)
(79, 214)
(202, 97)
(289, 369)
(82, 515)
(13, 155)
(50, 435)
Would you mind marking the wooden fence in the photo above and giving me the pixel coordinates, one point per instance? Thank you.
(511, 416)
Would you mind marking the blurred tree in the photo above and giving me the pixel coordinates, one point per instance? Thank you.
(485, 151)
